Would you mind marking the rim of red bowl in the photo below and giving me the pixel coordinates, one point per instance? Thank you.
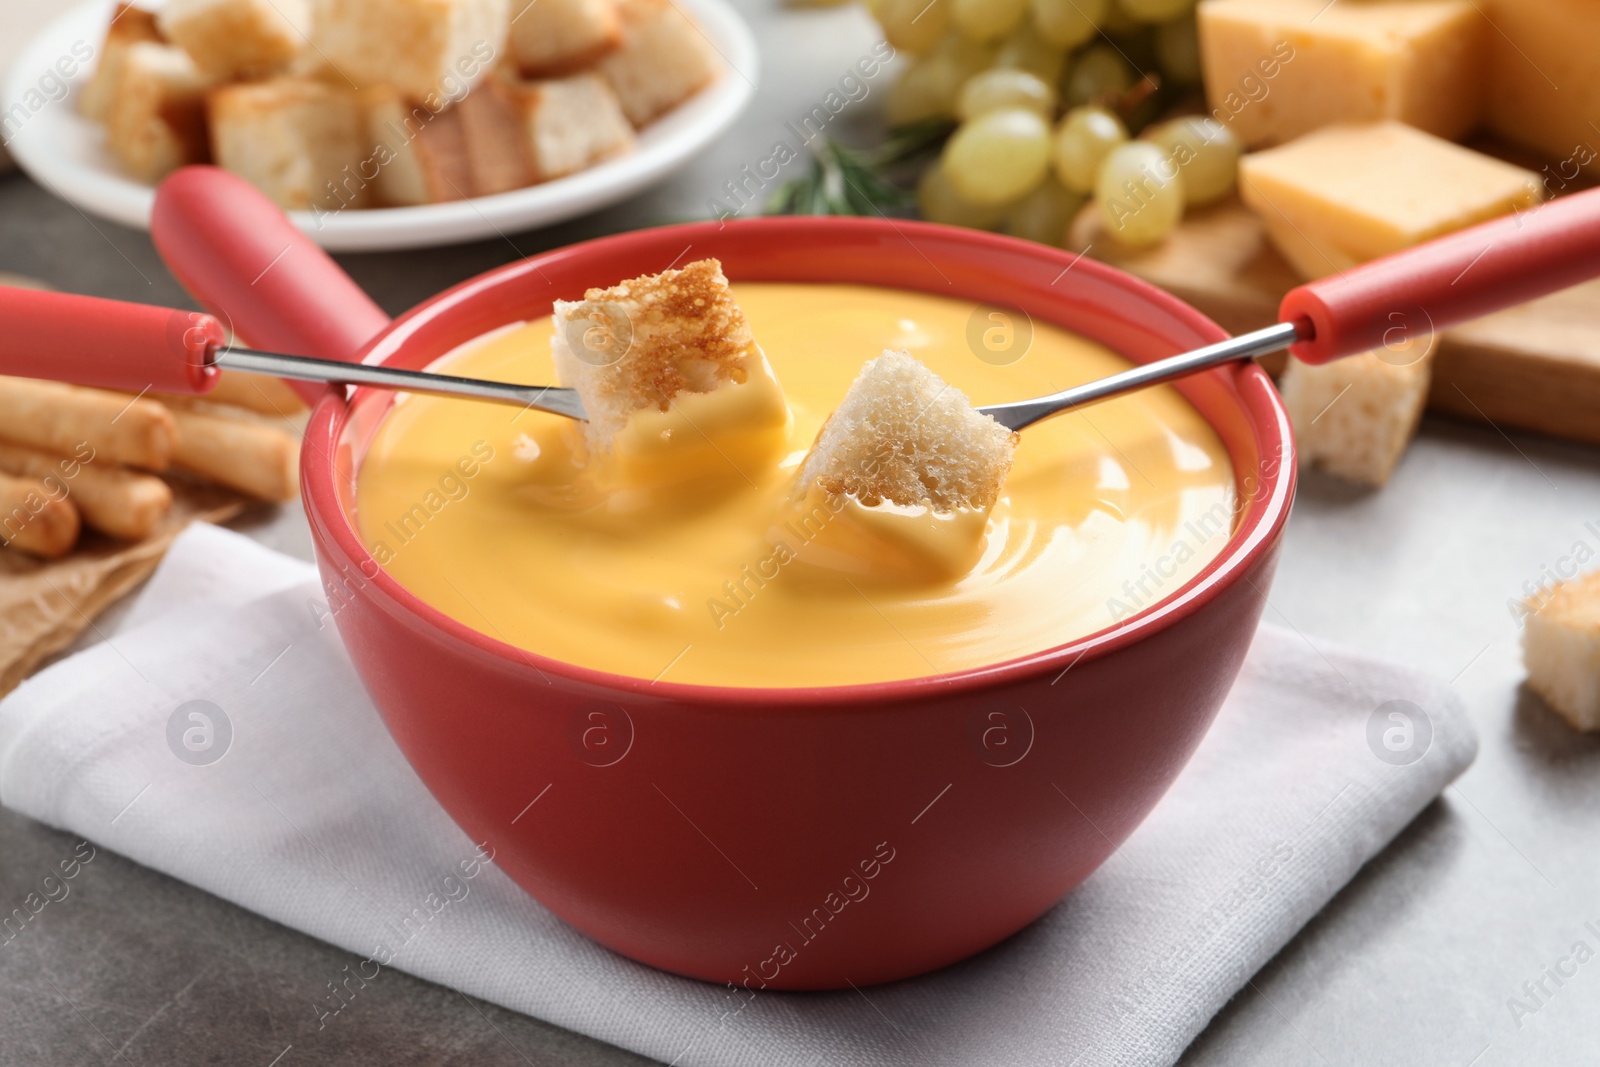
(1258, 526)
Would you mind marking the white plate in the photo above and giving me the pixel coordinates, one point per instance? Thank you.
(65, 152)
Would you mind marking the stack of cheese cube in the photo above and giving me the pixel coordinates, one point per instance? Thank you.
(334, 104)
(1356, 161)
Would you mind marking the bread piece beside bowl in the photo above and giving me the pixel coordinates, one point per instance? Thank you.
(1561, 648)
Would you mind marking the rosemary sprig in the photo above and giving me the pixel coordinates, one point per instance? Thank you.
(851, 181)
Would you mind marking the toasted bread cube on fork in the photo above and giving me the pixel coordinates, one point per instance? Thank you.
(554, 37)
(663, 60)
(424, 48)
(424, 153)
(237, 38)
(639, 345)
(904, 435)
(1561, 649)
(1354, 418)
(302, 142)
(130, 25)
(157, 121)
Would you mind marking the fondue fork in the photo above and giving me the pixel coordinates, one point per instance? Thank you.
(1395, 304)
(1020, 414)
(139, 348)
(555, 400)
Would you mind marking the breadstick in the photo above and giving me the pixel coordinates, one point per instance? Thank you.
(261, 393)
(247, 456)
(113, 500)
(64, 418)
(34, 521)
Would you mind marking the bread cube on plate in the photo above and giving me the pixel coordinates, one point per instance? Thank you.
(663, 60)
(301, 142)
(640, 345)
(569, 124)
(904, 435)
(157, 121)
(499, 154)
(423, 154)
(129, 25)
(1355, 417)
(1561, 649)
(424, 48)
(237, 38)
(554, 37)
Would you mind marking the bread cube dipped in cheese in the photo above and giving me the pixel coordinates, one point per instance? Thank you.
(238, 38)
(1350, 193)
(426, 49)
(1277, 69)
(157, 121)
(904, 435)
(903, 476)
(671, 377)
(1561, 649)
(663, 60)
(302, 142)
(550, 38)
(1355, 417)
(130, 25)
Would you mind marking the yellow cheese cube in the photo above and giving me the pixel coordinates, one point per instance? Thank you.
(1276, 69)
(1544, 79)
(1360, 192)
(1310, 259)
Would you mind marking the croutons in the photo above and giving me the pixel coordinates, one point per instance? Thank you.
(663, 60)
(237, 38)
(904, 435)
(499, 154)
(639, 344)
(426, 160)
(423, 48)
(550, 38)
(570, 124)
(129, 26)
(302, 142)
(158, 119)
(1355, 417)
(1561, 649)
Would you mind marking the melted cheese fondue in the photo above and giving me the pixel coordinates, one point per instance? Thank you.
(718, 576)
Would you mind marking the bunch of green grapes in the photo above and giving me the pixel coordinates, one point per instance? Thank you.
(1044, 93)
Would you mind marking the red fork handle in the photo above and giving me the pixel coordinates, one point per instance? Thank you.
(1391, 302)
(87, 341)
(238, 254)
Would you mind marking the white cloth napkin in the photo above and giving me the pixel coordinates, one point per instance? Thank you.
(314, 819)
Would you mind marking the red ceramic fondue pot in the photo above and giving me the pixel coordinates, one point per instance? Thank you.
(795, 838)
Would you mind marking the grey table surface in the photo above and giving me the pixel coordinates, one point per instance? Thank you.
(1415, 962)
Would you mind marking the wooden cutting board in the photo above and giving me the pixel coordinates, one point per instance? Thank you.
(1534, 368)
